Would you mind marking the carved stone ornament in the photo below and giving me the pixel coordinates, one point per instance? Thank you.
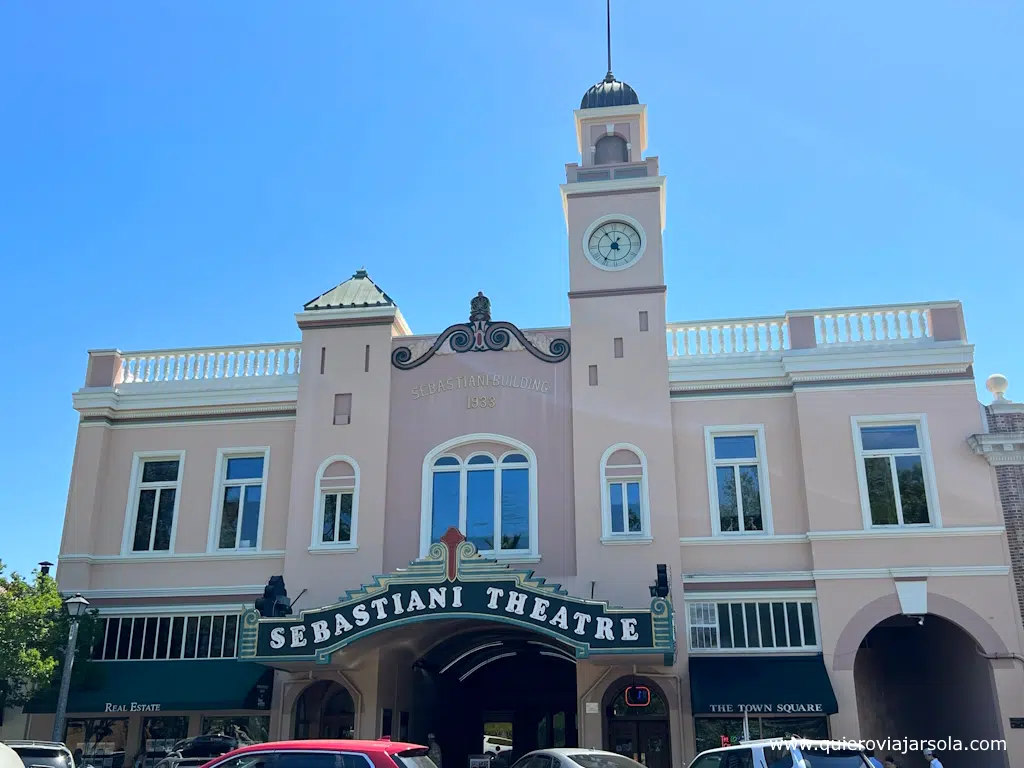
(481, 334)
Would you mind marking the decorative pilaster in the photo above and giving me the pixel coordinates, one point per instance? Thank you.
(1003, 448)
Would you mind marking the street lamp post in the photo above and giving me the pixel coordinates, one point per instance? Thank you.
(76, 607)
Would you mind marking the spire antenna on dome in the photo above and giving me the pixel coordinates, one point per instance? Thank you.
(608, 15)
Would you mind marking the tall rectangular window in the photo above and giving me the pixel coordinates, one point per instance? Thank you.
(738, 480)
(337, 517)
(894, 470)
(241, 501)
(155, 499)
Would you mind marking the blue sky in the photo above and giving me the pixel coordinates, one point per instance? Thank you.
(179, 174)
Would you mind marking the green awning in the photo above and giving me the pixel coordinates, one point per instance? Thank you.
(165, 686)
(782, 685)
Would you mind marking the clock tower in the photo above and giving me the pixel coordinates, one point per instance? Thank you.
(614, 205)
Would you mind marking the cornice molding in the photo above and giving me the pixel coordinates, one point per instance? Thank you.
(810, 367)
(999, 449)
(171, 557)
(147, 592)
(848, 573)
(581, 188)
(258, 395)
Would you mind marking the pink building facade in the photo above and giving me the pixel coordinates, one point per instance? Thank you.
(628, 533)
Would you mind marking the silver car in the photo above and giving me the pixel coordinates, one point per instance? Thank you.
(44, 754)
(574, 757)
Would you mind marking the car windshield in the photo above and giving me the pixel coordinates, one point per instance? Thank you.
(51, 758)
(591, 760)
(815, 757)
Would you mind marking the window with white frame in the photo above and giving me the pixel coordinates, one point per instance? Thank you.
(624, 503)
(207, 636)
(488, 496)
(155, 499)
(738, 480)
(756, 625)
(894, 471)
(337, 489)
(241, 499)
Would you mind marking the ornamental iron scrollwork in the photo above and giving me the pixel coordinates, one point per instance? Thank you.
(480, 334)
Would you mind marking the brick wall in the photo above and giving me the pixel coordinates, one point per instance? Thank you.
(1011, 494)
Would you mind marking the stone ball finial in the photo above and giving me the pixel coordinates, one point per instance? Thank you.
(997, 384)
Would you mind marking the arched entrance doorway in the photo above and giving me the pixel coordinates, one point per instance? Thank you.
(923, 678)
(325, 710)
(495, 691)
(636, 729)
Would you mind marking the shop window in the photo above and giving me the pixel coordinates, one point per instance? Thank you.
(738, 480)
(239, 498)
(101, 741)
(894, 471)
(159, 734)
(752, 626)
(156, 487)
(714, 732)
(166, 637)
(337, 501)
(489, 495)
(245, 729)
(626, 513)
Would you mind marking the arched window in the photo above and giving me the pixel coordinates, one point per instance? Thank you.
(486, 486)
(337, 504)
(611, 149)
(625, 508)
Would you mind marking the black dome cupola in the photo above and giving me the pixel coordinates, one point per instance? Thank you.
(609, 92)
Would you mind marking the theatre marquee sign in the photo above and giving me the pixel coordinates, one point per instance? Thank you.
(455, 582)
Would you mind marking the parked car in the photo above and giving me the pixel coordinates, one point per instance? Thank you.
(788, 753)
(495, 745)
(327, 753)
(197, 751)
(46, 754)
(575, 757)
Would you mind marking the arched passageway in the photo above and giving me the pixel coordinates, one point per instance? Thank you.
(636, 715)
(926, 680)
(497, 691)
(325, 710)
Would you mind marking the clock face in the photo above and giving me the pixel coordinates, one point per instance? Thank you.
(614, 245)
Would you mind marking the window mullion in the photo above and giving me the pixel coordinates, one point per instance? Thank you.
(800, 622)
(757, 614)
(497, 507)
(337, 520)
(896, 489)
(156, 515)
(739, 496)
(463, 494)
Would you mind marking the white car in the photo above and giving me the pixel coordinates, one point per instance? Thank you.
(495, 745)
(783, 753)
(574, 757)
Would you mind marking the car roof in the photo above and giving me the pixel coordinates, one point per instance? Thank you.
(795, 740)
(342, 745)
(566, 751)
(32, 743)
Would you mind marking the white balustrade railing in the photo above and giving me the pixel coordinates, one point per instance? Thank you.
(906, 323)
(204, 363)
(725, 337)
(851, 325)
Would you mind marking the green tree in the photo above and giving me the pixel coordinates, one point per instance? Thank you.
(33, 636)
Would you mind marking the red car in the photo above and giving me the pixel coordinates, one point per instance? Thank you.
(326, 753)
